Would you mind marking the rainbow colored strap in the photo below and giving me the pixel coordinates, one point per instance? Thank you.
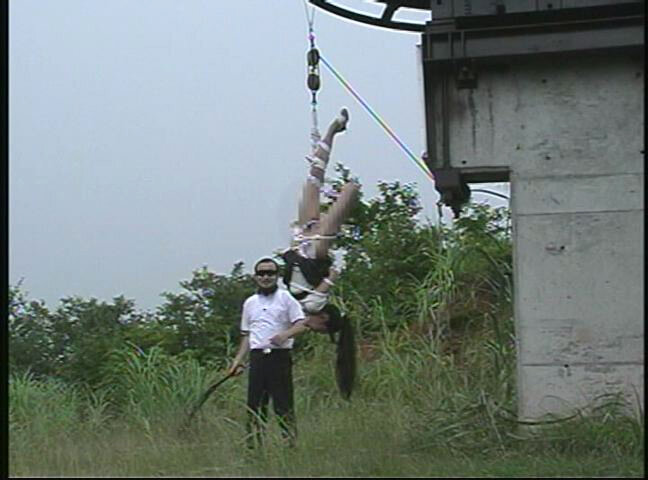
(376, 117)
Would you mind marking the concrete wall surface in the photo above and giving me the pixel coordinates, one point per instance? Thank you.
(570, 130)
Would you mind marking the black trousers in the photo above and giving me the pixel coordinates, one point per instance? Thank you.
(270, 377)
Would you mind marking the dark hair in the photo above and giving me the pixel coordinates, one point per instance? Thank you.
(345, 361)
(263, 260)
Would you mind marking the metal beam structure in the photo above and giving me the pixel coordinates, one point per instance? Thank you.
(464, 36)
(456, 48)
(549, 96)
(386, 20)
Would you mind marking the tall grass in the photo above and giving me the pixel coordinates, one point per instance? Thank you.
(417, 411)
(42, 407)
(149, 386)
(434, 396)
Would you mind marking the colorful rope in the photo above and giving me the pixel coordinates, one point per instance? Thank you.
(376, 117)
(311, 38)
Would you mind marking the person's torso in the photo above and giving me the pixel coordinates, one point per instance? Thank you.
(268, 315)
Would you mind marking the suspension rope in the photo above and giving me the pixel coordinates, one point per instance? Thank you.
(313, 77)
(378, 119)
(314, 83)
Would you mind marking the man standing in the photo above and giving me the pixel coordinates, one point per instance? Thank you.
(270, 318)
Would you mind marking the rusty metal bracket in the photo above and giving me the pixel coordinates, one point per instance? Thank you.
(454, 191)
(466, 77)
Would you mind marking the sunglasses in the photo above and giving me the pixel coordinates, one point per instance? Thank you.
(265, 273)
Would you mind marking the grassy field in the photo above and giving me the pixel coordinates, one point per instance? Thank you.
(419, 410)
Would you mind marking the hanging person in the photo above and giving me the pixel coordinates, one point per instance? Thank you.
(309, 273)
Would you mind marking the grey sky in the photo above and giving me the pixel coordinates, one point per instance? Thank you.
(149, 138)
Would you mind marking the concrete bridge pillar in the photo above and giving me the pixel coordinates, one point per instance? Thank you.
(548, 95)
(568, 132)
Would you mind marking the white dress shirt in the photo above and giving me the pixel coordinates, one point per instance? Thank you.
(266, 315)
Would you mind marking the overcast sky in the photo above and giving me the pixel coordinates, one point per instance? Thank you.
(150, 138)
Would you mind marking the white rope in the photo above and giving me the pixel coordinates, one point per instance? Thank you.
(305, 238)
(306, 289)
(315, 133)
(440, 224)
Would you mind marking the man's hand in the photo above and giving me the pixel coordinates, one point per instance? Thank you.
(235, 369)
(278, 339)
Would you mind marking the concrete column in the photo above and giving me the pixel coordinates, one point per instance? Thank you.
(570, 131)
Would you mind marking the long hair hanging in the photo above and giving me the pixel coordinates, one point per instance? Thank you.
(345, 362)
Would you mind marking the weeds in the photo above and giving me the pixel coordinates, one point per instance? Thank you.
(416, 412)
(434, 396)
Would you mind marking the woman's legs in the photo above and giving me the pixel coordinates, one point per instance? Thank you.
(309, 205)
(332, 221)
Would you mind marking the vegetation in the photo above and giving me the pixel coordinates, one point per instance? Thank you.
(101, 389)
